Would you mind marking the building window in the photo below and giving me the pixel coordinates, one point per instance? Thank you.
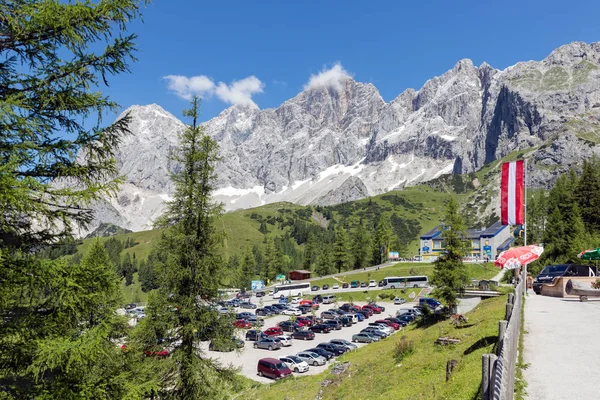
(437, 244)
(475, 243)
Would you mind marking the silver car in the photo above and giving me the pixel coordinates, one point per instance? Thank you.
(344, 343)
(268, 343)
(312, 358)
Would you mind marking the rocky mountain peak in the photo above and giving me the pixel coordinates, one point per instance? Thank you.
(338, 140)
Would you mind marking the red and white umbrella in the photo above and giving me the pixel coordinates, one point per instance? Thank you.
(518, 256)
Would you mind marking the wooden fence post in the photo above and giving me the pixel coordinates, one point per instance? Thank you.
(501, 331)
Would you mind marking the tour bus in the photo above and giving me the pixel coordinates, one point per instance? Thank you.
(393, 282)
(293, 289)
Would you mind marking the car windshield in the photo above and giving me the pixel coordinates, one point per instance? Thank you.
(554, 270)
(313, 354)
(295, 359)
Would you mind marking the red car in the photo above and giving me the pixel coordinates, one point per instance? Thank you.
(242, 323)
(375, 310)
(274, 331)
(389, 323)
(159, 354)
(304, 321)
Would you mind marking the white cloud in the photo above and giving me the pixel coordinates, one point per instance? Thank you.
(332, 77)
(186, 87)
(239, 92)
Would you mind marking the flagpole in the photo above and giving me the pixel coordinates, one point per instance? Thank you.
(525, 206)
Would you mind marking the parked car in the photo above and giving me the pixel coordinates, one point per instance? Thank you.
(383, 326)
(245, 315)
(372, 283)
(232, 303)
(397, 320)
(399, 300)
(305, 321)
(223, 310)
(158, 353)
(254, 335)
(334, 324)
(332, 348)
(292, 311)
(320, 328)
(315, 288)
(407, 317)
(360, 316)
(272, 368)
(243, 295)
(367, 311)
(409, 311)
(271, 343)
(295, 363)
(345, 285)
(270, 309)
(304, 334)
(312, 358)
(354, 284)
(345, 321)
(274, 331)
(328, 315)
(315, 319)
(263, 312)
(346, 307)
(280, 307)
(325, 286)
(335, 286)
(242, 324)
(429, 302)
(365, 337)
(317, 299)
(382, 308)
(305, 308)
(260, 294)
(344, 343)
(374, 309)
(226, 345)
(381, 283)
(373, 331)
(389, 323)
(551, 272)
(283, 300)
(247, 304)
(363, 284)
(289, 326)
(286, 341)
(322, 352)
(295, 300)
(130, 306)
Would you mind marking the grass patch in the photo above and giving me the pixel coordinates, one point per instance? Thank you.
(375, 372)
(520, 383)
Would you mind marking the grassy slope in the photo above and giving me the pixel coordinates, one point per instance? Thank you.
(375, 374)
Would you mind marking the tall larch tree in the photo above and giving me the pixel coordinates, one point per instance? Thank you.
(450, 274)
(182, 309)
(361, 244)
(341, 251)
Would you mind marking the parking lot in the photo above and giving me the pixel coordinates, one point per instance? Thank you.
(247, 358)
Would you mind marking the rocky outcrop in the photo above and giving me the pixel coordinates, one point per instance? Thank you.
(342, 142)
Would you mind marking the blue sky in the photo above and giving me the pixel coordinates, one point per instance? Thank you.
(273, 47)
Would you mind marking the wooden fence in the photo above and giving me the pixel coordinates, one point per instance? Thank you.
(499, 370)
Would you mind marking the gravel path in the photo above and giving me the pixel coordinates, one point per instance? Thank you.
(561, 348)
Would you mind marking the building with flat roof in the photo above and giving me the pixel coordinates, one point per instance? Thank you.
(485, 242)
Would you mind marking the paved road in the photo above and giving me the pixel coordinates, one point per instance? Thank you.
(561, 348)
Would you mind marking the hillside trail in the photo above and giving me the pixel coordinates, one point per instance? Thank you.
(561, 348)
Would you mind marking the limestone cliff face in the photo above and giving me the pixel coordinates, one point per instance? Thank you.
(344, 142)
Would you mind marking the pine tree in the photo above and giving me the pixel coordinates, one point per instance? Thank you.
(324, 263)
(247, 268)
(587, 194)
(127, 269)
(360, 247)
(182, 308)
(272, 259)
(381, 241)
(450, 274)
(341, 252)
(55, 58)
(310, 251)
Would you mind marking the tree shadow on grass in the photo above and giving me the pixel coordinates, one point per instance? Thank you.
(464, 326)
(481, 343)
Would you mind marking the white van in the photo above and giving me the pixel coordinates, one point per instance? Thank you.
(330, 298)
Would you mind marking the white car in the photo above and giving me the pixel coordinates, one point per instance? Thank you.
(312, 358)
(335, 286)
(292, 311)
(295, 363)
(296, 300)
(286, 341)
(412, 311)
(372, 283)
(399, 300)
(388, 329)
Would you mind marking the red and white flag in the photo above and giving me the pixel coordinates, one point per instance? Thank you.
(512, 193)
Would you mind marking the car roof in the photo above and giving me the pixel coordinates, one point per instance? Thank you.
(270, 359)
